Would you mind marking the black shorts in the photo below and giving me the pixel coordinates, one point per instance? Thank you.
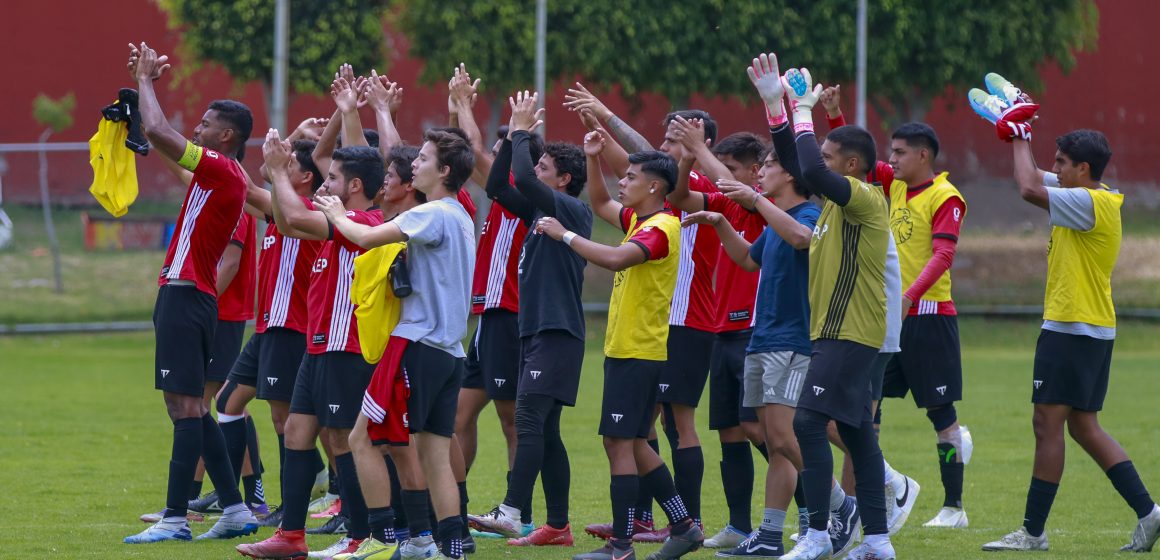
(227, 344)
(726, 381)
(683, 378)
(434, 378)
(838, 381)
(184, 320)
(877, 371)
(330, 386)
(1071, 369)
(551, 365)
(269, 362)
(493, 359)
(930, 365)
(630, 395)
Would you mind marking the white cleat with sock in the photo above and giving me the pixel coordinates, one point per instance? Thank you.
(949, 517)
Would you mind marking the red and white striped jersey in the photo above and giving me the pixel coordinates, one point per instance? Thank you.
(209, 214)
(496, 282)
(694, 304)
(468, 203)
(738, 292)
(331, 325)
(237, 302)
(283, 280)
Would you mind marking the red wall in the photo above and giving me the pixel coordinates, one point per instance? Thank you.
(1113, 89)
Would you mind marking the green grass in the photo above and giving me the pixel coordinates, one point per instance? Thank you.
(86, 442)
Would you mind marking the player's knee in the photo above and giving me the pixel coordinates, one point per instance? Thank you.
(810, 425)
(942, 417)
(223, 397)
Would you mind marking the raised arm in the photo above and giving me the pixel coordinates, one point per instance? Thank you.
(257, 197)
(182, 174)
(691, 135)
(623, 256)
(380, 94)
(832, 101)
(766, 79)
(524, 118)
(613, 154)
(327, 141)
(796, 234)
(500, 189)
(799, 86)
(291, 215)
(461, 96)
(579, 98)
(146, 66)
(1028, 176)
(346, 99)
(735, 246)
(682, 198)
(602, 203)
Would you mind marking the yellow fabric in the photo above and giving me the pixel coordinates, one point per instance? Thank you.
(191, 157)
(377, 309)
(1080, 263)
(114, 169)
(638, 314)
(910, 220)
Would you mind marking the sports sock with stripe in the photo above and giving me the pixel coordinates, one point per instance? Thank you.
(623, 490)
(688, 474)
(660, 484)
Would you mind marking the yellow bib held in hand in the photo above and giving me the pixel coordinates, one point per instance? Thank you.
(377, 310)
(114, 169)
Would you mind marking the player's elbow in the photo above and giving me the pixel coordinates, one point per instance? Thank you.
(800, 239)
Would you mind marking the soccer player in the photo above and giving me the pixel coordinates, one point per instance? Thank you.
(551, 322)
(417, 381)
(186, 310)
(333, 374)
(847, 298)
(635, 343)
(1074, 353)
(778, 352)
(926, 213)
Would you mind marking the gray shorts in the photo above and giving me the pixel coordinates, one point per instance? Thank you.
(774, 378)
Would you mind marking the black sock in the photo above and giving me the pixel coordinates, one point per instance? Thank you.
(296, 483)
(452, 544)
(252, 447)
(737, 481)
(418, 508)
(799, 495)
(642, 510)
(187, 445)
(660, 485)
(763, 450)
(399, 512)
(623, 489)
(332, 480)
(688, 474)
(818, 461)
(1127, 482)
(382, 523)
(255, 494)
(195, 490)
(282, 462)
(234, 434)
(352, 497)
(869, 472)
(463, 507)
(217, 463)
(952, 475)
(556, 473)
(1040, 495)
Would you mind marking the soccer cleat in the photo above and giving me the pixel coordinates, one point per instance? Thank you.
(1146, 533)
(653, 536)
(803, 523)
(815, 545)
(990, 107)
(761, 544)
(867, 551)
(419, 547)
(613, 549)
(340, 546)
(321, 483)
(845, 527)
(284, 544)
(949, 517)
(370, 549)
(322, 504)
(603, 531)
(968, 444)
(545, 535)
(525, 530)
(333, 526)
(496, 521)
(332, 510)
(900, 506)
(260, 511)
(468, 544)
(727, 538)
(162, 531)
(206, 504)
(1018, 540)
(677, 546)
(151, 518)
(274, 519)
(1003, 89)
(232, 525)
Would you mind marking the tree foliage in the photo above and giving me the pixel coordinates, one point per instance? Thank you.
(239, 35)
(56, 114)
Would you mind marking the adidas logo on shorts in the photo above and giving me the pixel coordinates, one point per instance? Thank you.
(499, 381)
(334, 409)
(616, 417)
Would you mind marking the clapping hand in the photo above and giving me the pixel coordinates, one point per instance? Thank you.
(331, 206)
(594, 142)
(276, 151)
(525, 116)
(690, 133)
(461, 91)
(145, 64)
(344, 95)
(738, 192)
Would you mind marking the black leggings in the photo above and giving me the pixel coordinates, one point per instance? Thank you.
(540, 452)
(817, 476)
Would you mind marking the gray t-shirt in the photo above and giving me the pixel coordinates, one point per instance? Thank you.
(440, 258)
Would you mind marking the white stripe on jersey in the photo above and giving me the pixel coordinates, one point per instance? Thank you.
(680, 304)
(343, 308)
(284, 283)
(197, 199)
(927, 307)
(497, 273)
(757, 298)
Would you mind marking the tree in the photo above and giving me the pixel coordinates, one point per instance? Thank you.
(55, 115)
(239, 35)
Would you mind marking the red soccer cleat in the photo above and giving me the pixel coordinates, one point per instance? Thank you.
(545, 535)
(604, 530)
(651, 536)
(329, 512)
(284, 544)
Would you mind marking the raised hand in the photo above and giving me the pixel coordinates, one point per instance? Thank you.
(764, 75)
(525, 116)
(594, 142)
(832, 100)
(276, 152)
(690, 133)
(345, 97)
(345, 71)
(379, 92)
(579, 98)
(589, 120)
(703, 217)
(310, 129)
(738, 192)
(359, 85)
(461, 91)
(800, 87)
(144, 63)
(330, 205)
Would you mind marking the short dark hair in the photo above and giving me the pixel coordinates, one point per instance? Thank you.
(239, 117)
(570, 159)
(502, 132)
(304, 154)
(371, 136)
(659, 165)
(1086, 146)
(690, 114)
(745, 147)
(452, 151)
(918, 135)
(362, 162)
(855, 140)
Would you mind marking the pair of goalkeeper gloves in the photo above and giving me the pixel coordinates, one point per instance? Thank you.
(1005, 106)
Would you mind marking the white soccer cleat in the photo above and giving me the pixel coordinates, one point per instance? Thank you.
(322, 504)
(949, 517)
(726, 538)
(321, 483)
(901, 503)
(1018, 540)
(1146, 533)
(968, 444)
(867, 551)
(814, 545)
(338, 547)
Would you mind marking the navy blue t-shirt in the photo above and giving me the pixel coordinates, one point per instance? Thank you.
(782, 319)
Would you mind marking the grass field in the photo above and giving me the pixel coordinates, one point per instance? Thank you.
(86, 441)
